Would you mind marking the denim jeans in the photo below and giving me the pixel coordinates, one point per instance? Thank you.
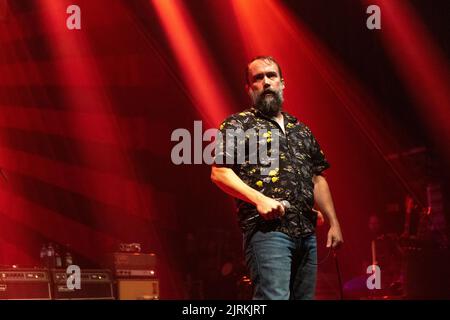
(281, 268)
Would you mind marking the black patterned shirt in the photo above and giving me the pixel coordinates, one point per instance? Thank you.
(299, 159)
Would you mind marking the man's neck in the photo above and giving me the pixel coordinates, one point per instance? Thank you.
(280, 120)
(279, 117)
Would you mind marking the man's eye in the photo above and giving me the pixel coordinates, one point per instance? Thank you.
(258, 77)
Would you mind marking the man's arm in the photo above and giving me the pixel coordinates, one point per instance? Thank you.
(322, 196)
(227, 180)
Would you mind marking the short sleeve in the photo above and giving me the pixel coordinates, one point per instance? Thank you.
(226, 143)
(320, 163)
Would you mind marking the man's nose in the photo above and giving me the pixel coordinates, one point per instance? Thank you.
(266, 82)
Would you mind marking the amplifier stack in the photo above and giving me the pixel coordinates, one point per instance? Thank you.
(136, 276)
(133, 277)
(39, 284)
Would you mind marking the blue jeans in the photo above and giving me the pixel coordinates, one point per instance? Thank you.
(281, 268)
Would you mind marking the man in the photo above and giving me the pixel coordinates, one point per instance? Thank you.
(275, 209)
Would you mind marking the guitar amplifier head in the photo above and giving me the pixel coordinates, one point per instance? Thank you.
(24, 284)
(136, 261)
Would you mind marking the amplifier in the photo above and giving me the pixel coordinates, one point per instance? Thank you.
(135, 289)
(95, 285)
(131, 273)
(24, 284)
(134, 261)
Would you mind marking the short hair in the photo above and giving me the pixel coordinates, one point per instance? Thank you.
(269, 58)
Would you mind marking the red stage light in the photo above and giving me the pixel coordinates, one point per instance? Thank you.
(201, 77)
(422, 66)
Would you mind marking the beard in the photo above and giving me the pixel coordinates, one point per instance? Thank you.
(269, 103)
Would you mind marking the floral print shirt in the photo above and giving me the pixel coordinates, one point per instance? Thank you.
(299, 159)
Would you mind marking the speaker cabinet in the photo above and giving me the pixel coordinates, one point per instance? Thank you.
(138, 289)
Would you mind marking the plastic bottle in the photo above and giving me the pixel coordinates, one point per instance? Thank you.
(68, 261)
(58, 259)
(51, 256)
(43, 256)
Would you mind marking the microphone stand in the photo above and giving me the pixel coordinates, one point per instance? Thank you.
(341, 292)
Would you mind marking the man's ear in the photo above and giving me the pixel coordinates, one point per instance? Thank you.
(282, 83)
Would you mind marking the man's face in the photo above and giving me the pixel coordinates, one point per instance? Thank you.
(265, 87)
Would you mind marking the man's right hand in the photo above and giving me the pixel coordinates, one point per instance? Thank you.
(228, 181)
(269, 208)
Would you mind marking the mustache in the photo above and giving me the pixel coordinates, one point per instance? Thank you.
(268, 91)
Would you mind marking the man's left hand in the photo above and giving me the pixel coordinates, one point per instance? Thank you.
(334, 238)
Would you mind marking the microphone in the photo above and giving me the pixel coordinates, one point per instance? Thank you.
(286, 205)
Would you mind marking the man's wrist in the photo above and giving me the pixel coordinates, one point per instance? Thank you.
(334, 222)
(256, 197)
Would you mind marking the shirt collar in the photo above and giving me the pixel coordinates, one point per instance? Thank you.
(287, 117)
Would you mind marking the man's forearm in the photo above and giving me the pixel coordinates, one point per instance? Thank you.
(229, 182)
(322, 196)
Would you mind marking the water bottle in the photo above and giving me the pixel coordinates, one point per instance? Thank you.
(68, 259)
(43, 256)
(51, 256)
(58, 260)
